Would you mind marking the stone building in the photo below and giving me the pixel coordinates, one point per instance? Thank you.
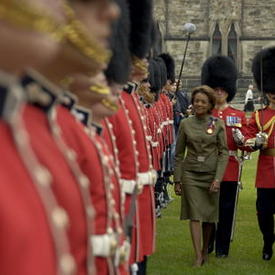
(237, 28)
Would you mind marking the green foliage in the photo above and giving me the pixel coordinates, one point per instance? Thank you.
(174, 252)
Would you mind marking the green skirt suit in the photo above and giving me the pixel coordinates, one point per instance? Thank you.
(201, 157)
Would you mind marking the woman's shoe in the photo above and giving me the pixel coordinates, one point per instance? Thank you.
(199, 263)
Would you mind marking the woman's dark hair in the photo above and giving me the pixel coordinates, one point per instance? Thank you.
(209, 92)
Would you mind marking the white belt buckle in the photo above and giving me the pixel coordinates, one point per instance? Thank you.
(201, 158)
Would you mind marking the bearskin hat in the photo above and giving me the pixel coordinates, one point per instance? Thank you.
(151, 76)
(220, 71)
(141, 17)
(155, 77)
(163, 71)
(170, 66)
(119, 67)
(263, 66)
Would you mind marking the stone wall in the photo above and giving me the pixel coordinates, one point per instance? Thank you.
(254, 21)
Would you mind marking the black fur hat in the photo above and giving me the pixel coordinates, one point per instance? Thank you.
(151, 76)
(155, 76)
(163, 71)
(264, 64)
(220, 71)
(119, 67)
(141, 17)
(170, 65)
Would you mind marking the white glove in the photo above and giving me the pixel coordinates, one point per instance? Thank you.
(261, 139)
(238, 136)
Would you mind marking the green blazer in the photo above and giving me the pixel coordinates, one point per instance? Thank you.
(204, 139)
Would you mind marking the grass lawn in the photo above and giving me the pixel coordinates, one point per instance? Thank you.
(174, 251)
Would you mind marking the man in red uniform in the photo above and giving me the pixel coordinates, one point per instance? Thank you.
(139, 47)
(34, 215)
(84, 152)
(117, 73)
(261, 135)
(220, 73)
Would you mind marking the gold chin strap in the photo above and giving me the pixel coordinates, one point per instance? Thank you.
(100, 89)
(23, 15)
(139, 64)
(110, 105)
(77, 34)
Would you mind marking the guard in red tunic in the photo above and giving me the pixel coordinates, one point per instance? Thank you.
(82, 155)
(220, 73)
(261, 135)
(32, 214)
(119, 133)
(36, 204)
(141, 22)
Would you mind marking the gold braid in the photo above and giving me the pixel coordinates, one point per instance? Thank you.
(78, 36)
(26, 16)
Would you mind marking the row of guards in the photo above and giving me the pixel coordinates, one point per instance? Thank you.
(86, 130)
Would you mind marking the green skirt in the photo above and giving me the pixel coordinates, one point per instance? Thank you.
(197, 203)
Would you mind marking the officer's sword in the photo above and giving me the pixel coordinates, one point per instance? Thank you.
(241, 160)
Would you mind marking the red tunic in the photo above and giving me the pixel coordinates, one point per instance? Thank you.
(27, 247)
(232, 118)
(152, 137)
(266, 164)
(89, 160)
(146, 198)
(128, 165)
(64, 183)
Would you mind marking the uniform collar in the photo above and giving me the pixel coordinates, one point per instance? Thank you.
(130, 87)
(98, 128)
(83, 115)
(40, 91)
(11, 95)
(68, 100)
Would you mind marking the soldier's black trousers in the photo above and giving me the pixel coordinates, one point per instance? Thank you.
(265, 206)
(228, 191)
(142, 267)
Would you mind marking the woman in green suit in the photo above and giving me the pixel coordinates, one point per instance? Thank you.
(200, 161)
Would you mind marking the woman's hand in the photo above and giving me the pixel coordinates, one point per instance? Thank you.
(215, 186)
(177, 188)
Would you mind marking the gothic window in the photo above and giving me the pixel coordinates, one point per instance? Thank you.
(232, 44)
(217, 41)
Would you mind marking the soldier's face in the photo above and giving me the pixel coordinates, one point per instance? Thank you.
(97, 16)
(221, 95)
(169, 87)
(201, 104)
(22, 46)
